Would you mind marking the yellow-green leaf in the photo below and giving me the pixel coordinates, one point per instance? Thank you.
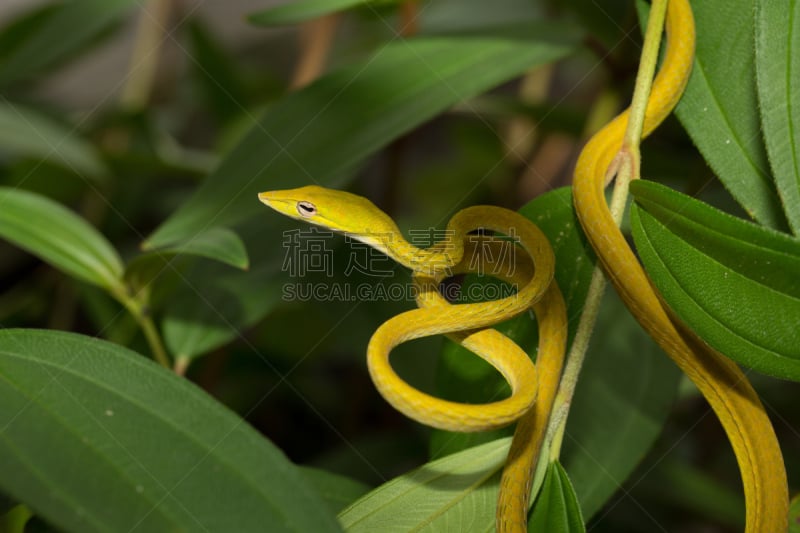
(455, 493)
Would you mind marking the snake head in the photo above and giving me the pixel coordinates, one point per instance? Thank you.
(339, 211)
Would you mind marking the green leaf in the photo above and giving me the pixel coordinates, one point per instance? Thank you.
(733, 283)
(719, 108)
(794, 515)
(98, 438)
(26, 132)
(58, 236)
(556, 509)
(215, 303)
(319, 134)
(456, 493)
(337, 491)
(218, 243)
(296, 11)
(777, 64)
(63, 32)
(216, 70)
(476, 16)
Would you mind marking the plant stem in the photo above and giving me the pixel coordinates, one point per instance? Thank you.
(137, 307)
(316, 40)
(153, 20)
(628, 169)
(154, 340)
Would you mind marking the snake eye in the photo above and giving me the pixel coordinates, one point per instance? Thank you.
(306, 209)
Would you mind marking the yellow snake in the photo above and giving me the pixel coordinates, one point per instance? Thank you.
(466, 324)
(722, 382)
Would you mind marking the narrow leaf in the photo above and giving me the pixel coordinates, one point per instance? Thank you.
(556, 509)
(777, 66)
(217, 74)
(63, 32)
(219, 244)
(296, 11)
(721, 115)
(58, 236)
(447, 494)
(322, 132)
(26, 132)
(96, 438)
(718, 273)
(501, 17)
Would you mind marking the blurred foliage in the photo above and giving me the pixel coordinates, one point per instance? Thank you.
(128, 214)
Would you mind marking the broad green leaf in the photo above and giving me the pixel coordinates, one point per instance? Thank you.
(337, 491)
(319, 134)
(58, 236)
(556, 508)
(63, 32)
(26, 132)
(719, 108)
(449, 494)
(295, 11)
(98, 438)
(733, 283)
(777, 64)
(218, 243)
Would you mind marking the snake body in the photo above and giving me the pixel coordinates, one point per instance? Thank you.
(721, 382)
